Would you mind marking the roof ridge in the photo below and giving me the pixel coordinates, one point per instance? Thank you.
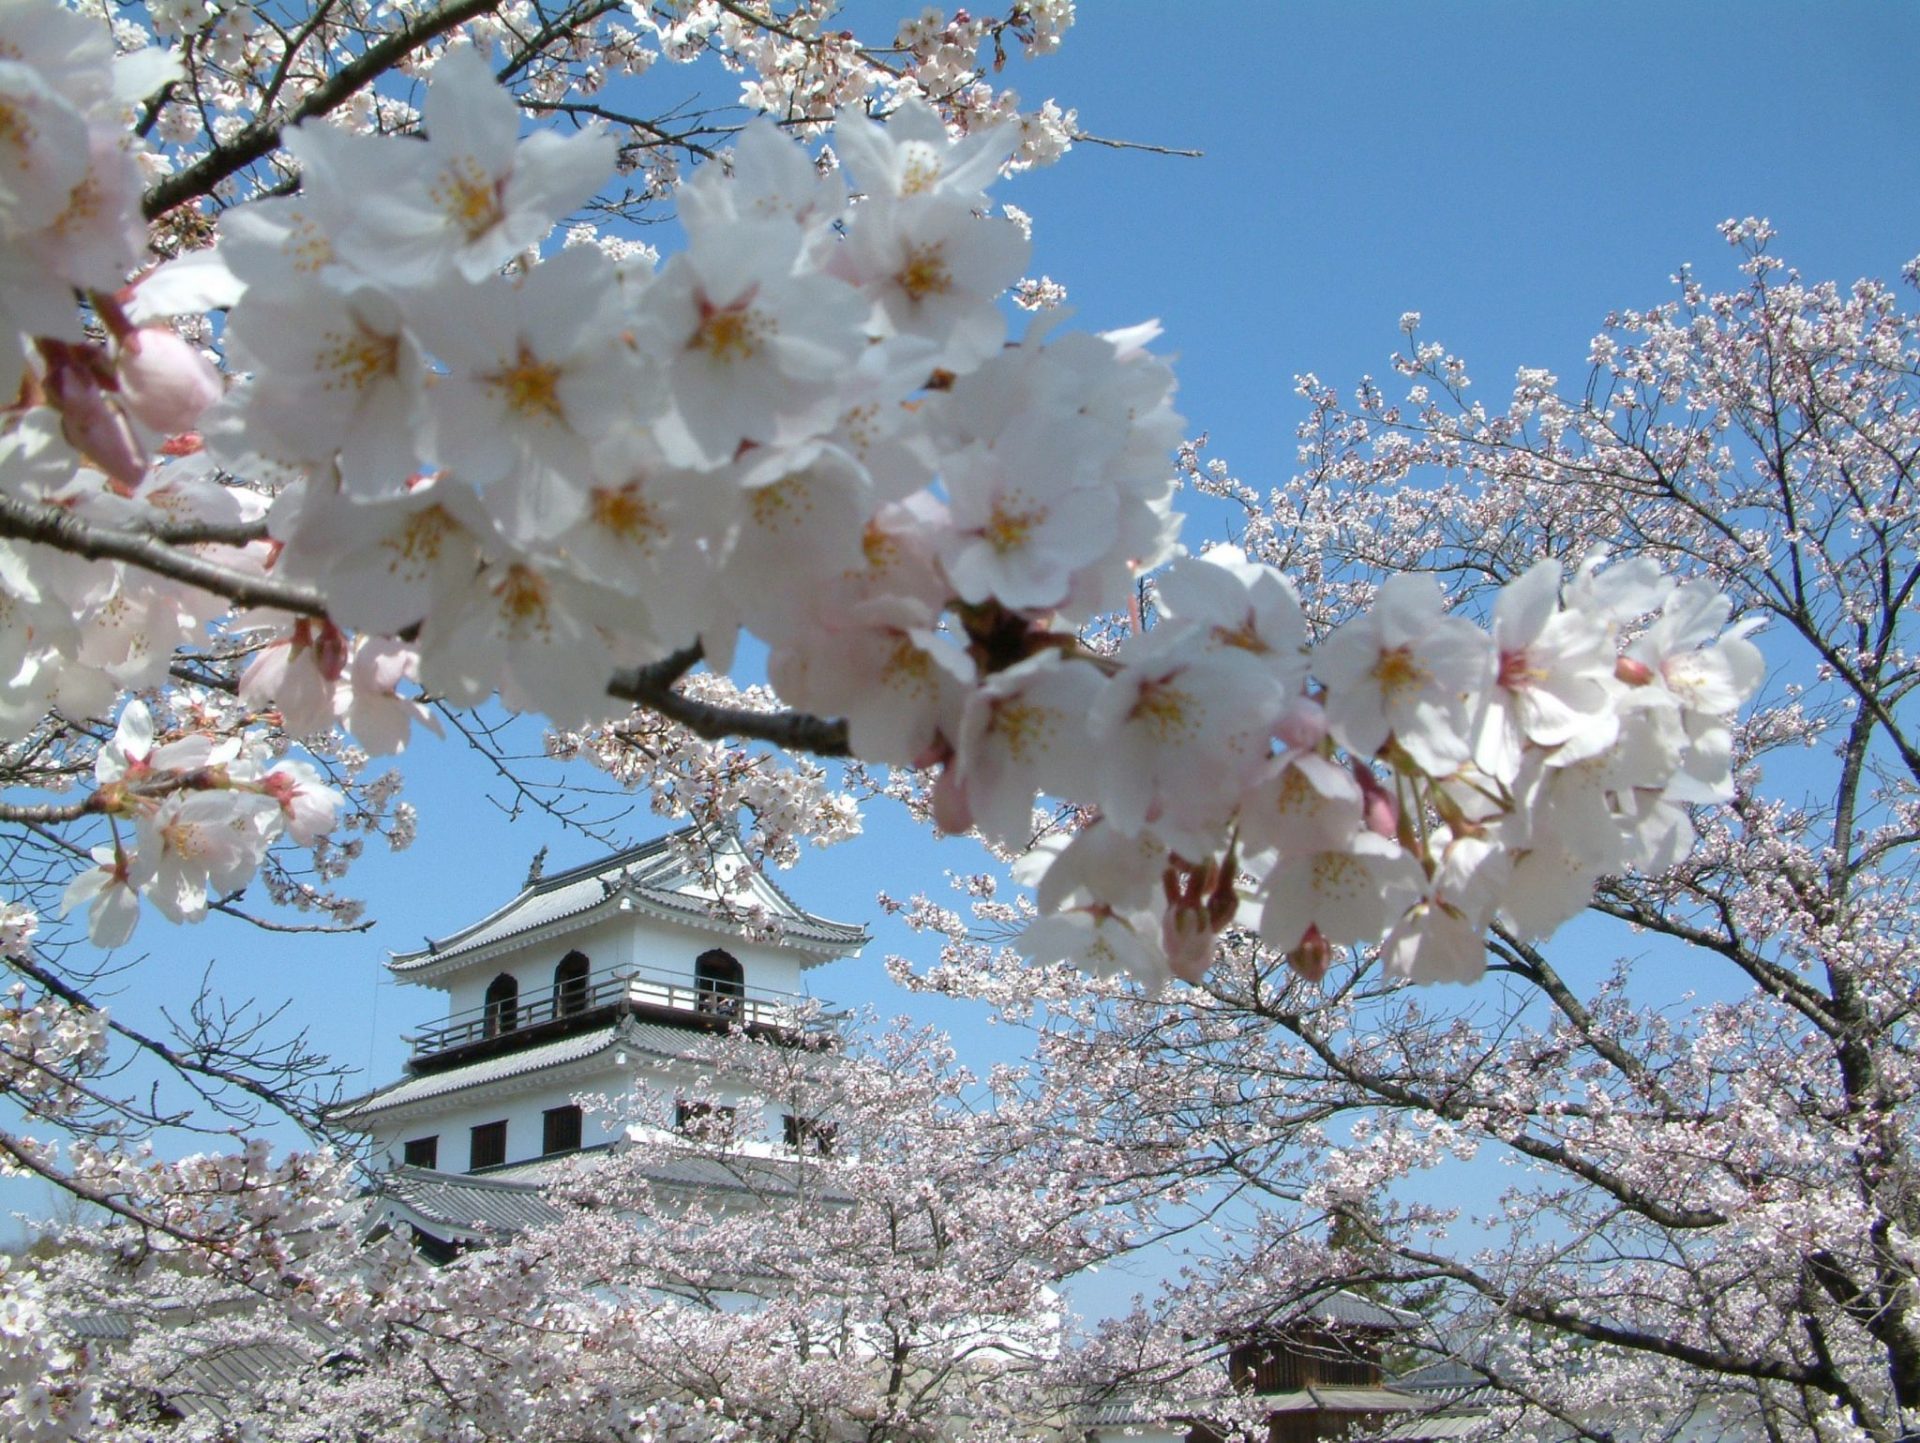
(623, 857)
(553, 881)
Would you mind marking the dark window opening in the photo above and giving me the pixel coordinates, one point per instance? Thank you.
(560, 1130)
(570, 985)
(503, 1005)
(703, 1121)
(808, 1134)
(438, 1251)
(422, 1152)
(489, 1146)
(719, 983)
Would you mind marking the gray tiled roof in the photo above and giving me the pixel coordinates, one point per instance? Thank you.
(1443, 1375)
(1126, 1411)
(212, 1379)
(498, 1204)
(674, 1167)
(1328, 1399)
(1436, 1428)
(649, 1037)
(487, 1205)
(652, 876)
(1350, 1310)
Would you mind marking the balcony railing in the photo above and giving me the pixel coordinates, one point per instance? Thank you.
(642, 990)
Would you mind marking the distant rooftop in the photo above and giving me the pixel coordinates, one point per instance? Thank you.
(655, 878)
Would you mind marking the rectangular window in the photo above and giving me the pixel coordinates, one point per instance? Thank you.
(489, 1146)
(706, 1121)
(423, 1152)
(808, 1134)
(560, 1130)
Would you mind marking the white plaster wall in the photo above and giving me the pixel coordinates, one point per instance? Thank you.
(522, 1111)
(623, 940)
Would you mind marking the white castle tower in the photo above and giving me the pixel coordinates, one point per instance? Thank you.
(592, 980)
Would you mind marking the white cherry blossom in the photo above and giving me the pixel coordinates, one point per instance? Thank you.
(1408, 670)
(472, 197)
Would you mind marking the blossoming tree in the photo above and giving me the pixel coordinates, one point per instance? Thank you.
(317, 421)
(1708, 1226)
(889, 1274)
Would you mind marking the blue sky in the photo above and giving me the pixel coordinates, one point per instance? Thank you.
(1512, 171)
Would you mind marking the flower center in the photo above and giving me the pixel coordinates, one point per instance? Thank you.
(1396, 672)
(908, 668)
(1007, 529)
(735, 333)
(925, 273)
(1164, 709)
(16, 130)
(417, 544)
(523, 603)
(880, 548)
(1517, 672)
(531, 386)
(921, 171)
(469, 198)
(626, 513)
(355, 362)
(1020, 725)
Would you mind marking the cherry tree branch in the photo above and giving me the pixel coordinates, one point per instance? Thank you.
(653, 687)
(64, 531)
(255, 141)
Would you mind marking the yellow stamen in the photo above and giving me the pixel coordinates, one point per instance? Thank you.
(1165, 710)
(524, 603)
(1020, 725)
(1396, 672)
(469, 198)
(925, 274)
(731, 335)
(356, 361)
(532, 386)
(417, 545)
(626, 513)
(1007, 530)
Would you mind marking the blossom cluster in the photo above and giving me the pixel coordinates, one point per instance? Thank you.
(488, 472)
(202, 814)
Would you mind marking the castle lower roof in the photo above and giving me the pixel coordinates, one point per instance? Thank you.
(584, 1049)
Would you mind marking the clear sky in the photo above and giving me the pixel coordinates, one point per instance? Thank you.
(1512, 171)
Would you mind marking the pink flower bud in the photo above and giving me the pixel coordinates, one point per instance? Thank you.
(1303, 725)
(90, 420)
(1633, 673)
(1378, 808)
(1312, 957)
(1189, 943)
(951, 813)
(165, 381)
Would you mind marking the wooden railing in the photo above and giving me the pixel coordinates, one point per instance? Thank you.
(635, 988)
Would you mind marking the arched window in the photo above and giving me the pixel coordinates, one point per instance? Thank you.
(719, 983)
(503, 1005)
(570, 985)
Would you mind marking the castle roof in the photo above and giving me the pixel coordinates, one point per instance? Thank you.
(1351, 1310)
(494, 1206)
(459, 1204)
(659, 879)
(528, 1067)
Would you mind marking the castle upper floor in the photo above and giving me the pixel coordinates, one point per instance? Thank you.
(682, 930)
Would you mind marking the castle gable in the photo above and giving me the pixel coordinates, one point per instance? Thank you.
(697, 879)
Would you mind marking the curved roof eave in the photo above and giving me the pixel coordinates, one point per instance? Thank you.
(627, 881)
